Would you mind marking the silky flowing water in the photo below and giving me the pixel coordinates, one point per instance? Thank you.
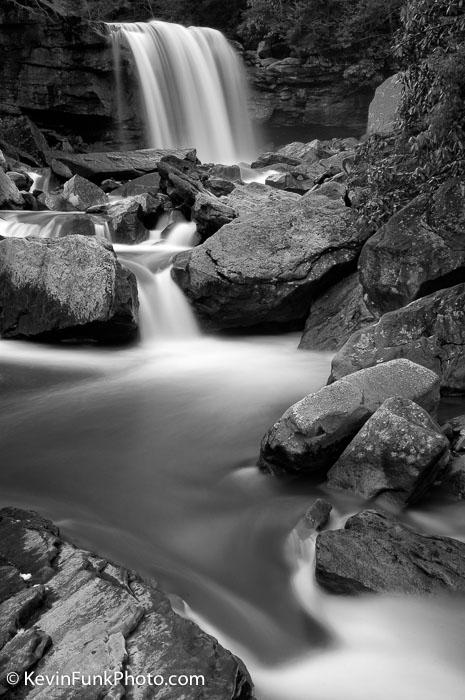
(147, 455)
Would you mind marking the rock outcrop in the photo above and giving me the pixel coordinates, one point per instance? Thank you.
(70, 288)
(64, 610)
(264, 269)
(375, 554)
(335, 315)
(398, 454)
(418, 251)
(429, 331)
(311, 435)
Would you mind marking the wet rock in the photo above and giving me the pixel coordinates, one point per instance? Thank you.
(419, 250)
(21, 132)
(10, 196)
(317, 516)
(119, 164)
(110, 185)
(83, 194)
(264, 269)
(210, 214)
(146, 184)
(312, 434)
(384, 108)
(429, 331)
(376, 554)
(457, 437)
(3, 162)
(226, 172)
(254, 198)
(266, 160)
(71, 288)
(22, 180)
(54, 201)
(220, 187)
(453, 484)
(60, 169)
(96, 616)
(130, 219)
(335, 315)
(398, 454)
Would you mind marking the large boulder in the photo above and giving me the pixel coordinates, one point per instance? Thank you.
(384, 108)
(311, 435)
(254, 198)
(65, 610)
(376, 554)
(335, 315)
(398, 454)
(145, 184)
(419, 250)
(131, 218)
(429, 331)
(82, 193)
(10, 196)
(264, 269)
(65, 288)
(119, 164)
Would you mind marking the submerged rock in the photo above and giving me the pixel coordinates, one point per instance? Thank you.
(311, 435)
(376, 554)
(70, 288)
(263, 269)
(429, 331)
(94, 616)
(419, 250)
(398, 454)
(335, 315)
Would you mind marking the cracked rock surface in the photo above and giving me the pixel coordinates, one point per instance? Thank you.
(63, 609)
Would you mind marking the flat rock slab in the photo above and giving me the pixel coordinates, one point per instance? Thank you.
(254, 197)
(264, 269)
(398, 454)
(311, 435)
(118, 164)
(92, 616)
(376, 554)
(429, 331)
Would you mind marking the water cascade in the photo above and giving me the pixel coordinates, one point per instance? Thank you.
(193, 89)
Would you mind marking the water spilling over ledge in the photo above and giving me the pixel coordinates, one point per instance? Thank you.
(192, 86)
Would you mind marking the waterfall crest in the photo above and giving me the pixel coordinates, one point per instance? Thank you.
(193, 89)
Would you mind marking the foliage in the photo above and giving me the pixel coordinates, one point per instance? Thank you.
(359, 30)
(429, 144)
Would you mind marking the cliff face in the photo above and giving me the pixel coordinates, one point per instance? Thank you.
(296, 92)
(56, 67)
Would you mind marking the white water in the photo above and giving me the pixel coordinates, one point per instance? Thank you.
(193, 89)
(47, 224)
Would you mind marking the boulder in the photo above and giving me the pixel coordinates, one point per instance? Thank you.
(376, 554)
(97, 617)
(398, 454)
(21, 132)
(220, 187)
(265, 160)
(145, 184)
(119, 164)
(254, 198)
(210, 214)
(318, 514)
(60, 169)
(419, 250)
(335, 315)
(312, 434)
(308, 152)
(264, 269)
(453, 484)
(226, 172)
(10, 196)
(130, 219)
(384, 108)
(429, 331)
(83, 194)
(22, 180)
(70, 288)
(3, 162)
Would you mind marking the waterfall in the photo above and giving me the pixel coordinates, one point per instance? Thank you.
(193, 89)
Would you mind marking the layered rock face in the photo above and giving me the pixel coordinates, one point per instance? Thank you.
(64, 610)
(263, 269)
(65, 288)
